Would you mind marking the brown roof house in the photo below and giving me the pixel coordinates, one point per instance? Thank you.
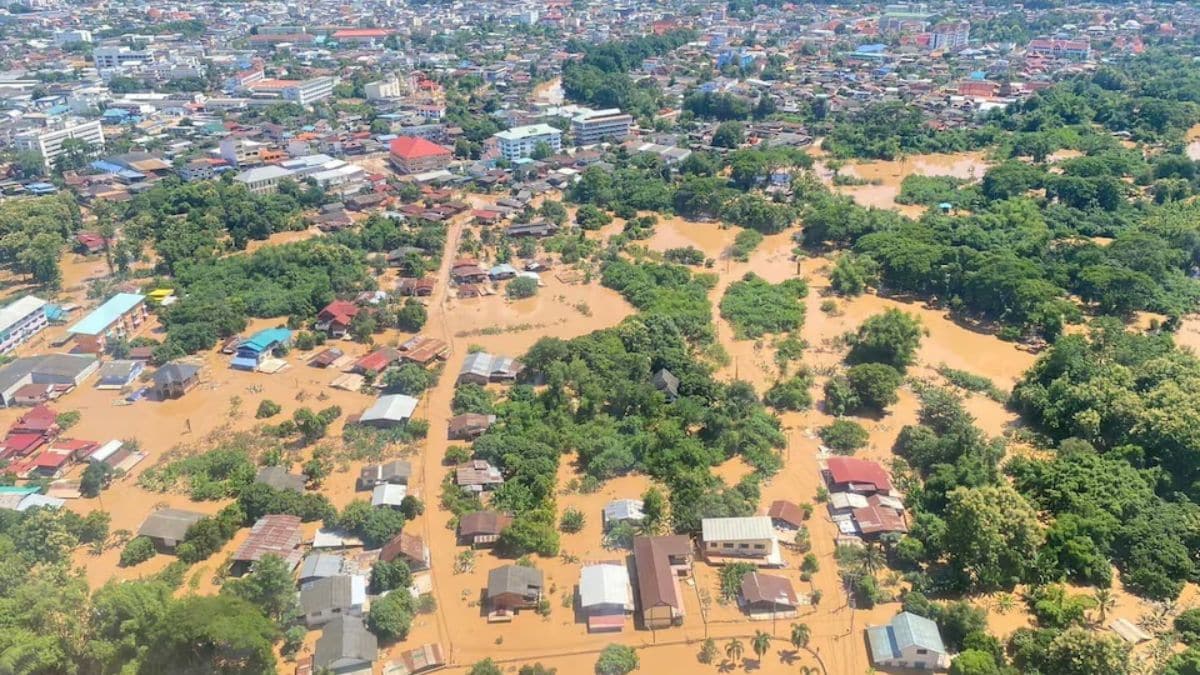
(167, 527)
(786, 515)
(658, 563)
(511, 588)
(469, 426)
(765, 596)
(174, 379)
(409, 548)
(271, 535)
(482, 527)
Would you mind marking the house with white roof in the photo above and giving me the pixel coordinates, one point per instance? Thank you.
(750, 538)
(605, 595)
(390, 410)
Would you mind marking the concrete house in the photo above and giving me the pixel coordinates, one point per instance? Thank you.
(765, 596)
(750, 538)
(119, 317)
(118, 374)
(909, 641)
(326, 599)
(623, 511)
(513, 587)
(345, 646)
(253, 351)
(167, 527)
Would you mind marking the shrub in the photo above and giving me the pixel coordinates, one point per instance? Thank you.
(790, 394)
(844, 436)
(521, 287)
(138, 550)
(267, 408)
(572, 520)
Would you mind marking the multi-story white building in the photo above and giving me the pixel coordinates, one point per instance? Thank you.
(309, 91)
(600, 125)
(520, 142)
(48, 143)
(21, 320)
(241, 151)
(383, 89)
(950, 35)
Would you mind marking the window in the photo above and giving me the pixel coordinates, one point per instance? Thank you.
(743, 545)
(922, 652)
(759, 547)
(728, 544)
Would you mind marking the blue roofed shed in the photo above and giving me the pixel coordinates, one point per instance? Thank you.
(251, 352)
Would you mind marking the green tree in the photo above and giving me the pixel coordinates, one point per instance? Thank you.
(844, 436)
(410, 379)
(521, 287)
(138, 550)
(391, 616)
(761, 643)
(890, 338)
(207, 634)
(267, 408)
(485, 667)
(800, 635)
(874, 384)
(617, 660)
(734, 650)
(1077, 651)
(974, 662)
(728, 135)
(412, 316)
(992, 535)
(269, 586)
(96, 477)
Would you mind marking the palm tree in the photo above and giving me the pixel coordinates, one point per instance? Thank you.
(1005, 603)
(1105, 602)
(761, 643)
(801, 634)
(734, 650)
(872, 558)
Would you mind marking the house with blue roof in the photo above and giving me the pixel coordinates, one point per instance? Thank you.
(252, 352)
(909, 641)
(120, 316)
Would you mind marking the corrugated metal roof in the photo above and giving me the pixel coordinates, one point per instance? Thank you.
(105, 315)
(605, 584)
(731, 529)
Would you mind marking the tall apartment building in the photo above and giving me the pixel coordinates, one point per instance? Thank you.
(519, 142)
(600, 125)
(950, 35)
(63, 38)
(309, 91)
(48, 143)
(241, 151)
(904, 18)
(21, 320)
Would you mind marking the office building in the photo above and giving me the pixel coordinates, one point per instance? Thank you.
(382, 89)
(111, 58)
(309, 91)
(520, 142)
(264, 179)
(600, 125)
(950, 35)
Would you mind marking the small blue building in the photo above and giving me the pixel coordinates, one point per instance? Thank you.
(252, 352)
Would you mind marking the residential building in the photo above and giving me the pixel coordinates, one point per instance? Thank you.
(410, 154)
(600, 125)
(786, 515)
(862, 476)
(468, 426)
(319, 565)
(21, 320)
(751, 538)
(1075, 50)
(275, 534)
(882, 515)
(424, 659)
(324, 600)
(64, 38)
(117, 57)
(478, 476)
(119, 317)
(389, 495)
(61, 371)
(520, 142)
(174, 379)
(119, 373)
(659, 563)
(767, 596)
(389, 411)
(263, 179)
(241, 151)
(252, 352)
(167, 527)
(345, 646)
(407, 547)
(396, 472)
(909, 641)
(48, 143)
(513, 587)
(605, 595)
(481, 528)
(666, 382)
(904, 18)
(481, 368)
(336, 317)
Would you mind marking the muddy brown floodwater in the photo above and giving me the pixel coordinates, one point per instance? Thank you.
(885, 177)
(565, 309)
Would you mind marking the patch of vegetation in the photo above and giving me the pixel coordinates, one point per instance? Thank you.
(755, 307)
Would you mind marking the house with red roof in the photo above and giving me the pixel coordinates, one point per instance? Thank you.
(376, 362)
(410, 154)
(51, 463)
(20, 445)
(361, 36)
(336, 317)
(860, 476)
(40, 420)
